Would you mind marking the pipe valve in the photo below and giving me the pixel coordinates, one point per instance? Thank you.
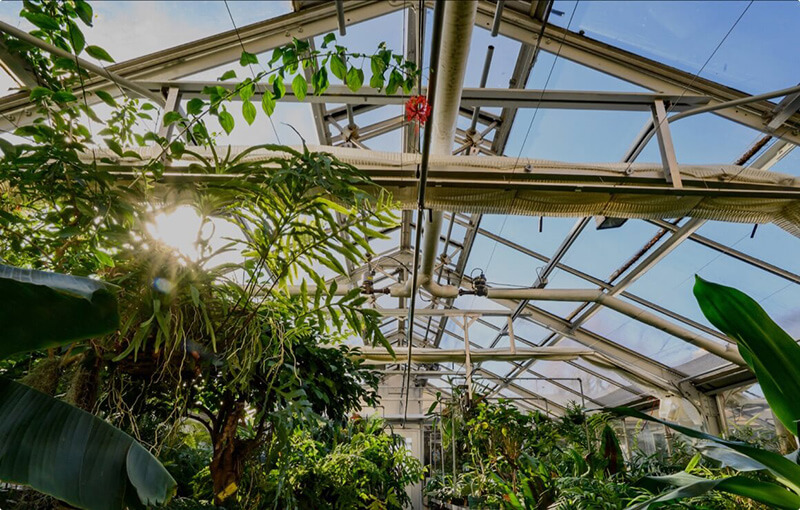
(368, 284)
(480, 286)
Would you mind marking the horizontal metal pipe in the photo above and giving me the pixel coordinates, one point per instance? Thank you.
(727, 352)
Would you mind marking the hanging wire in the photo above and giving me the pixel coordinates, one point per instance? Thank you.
(250, 66)
(702, 68)
(533, 118)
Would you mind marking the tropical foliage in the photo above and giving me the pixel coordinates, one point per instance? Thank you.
(46, 443)
(505, 458)
(772, 355)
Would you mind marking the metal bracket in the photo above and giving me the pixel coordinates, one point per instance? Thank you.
(665, 145)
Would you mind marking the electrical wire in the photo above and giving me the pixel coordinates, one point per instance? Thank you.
(250, 66)
(535, 113)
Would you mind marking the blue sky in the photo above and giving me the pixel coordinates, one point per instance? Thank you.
(759, 55)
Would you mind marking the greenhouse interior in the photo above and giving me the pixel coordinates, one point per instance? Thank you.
(399, 254)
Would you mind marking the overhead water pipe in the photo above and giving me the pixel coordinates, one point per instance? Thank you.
(445, 87)
(727, 352)
(452, 33)
(119, 80)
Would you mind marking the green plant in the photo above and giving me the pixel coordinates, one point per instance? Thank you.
(357, 465)
(773, 356)
(45, 443)
(250, 361)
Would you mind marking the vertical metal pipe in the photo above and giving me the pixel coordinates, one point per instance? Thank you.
(468, 357)
(453, 442)
(340, 17)
(484, 77)
(498, 16)
(452, 33)
(436, 38)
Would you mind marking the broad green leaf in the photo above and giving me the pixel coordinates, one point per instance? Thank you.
(377, 65)
(177, 149)
(171, 117)
(770, 352)
(104, 258)
(690, 486)
(42, 20)
(76, 38)
(40, 92)
(39, 310)
(277, 54)
(10, 150)
(84, 11)
(249, 112)
(268, 102)
(74, 456)
(99, 53)
(320, 81)
(784, 469)
(395, 80)
(115, 147)
(195, 106)
(227, 75)
(62, 96)
(278, 88)
(338, 67)
(247, 91)
(355, 79)
(376, 82)
(247, 58)
(299, 87)
(226, 121)
(106, 98)
(329, 38)
(728, 458)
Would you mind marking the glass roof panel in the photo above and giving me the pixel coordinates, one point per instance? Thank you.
(569, 75)
(521, 230)
(592, 387)
(641, 338)
(670, 283)
(684, 35)
(705, 139)
(601, 252)
(770, 242)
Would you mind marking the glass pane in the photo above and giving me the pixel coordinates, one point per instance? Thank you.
(685, 35)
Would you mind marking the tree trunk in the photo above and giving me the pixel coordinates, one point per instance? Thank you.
(228, 458)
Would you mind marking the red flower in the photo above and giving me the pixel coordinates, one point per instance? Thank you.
(417, 108)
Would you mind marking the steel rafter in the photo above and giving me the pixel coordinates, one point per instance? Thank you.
(636, 69)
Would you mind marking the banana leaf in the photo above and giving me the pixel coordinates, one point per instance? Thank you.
(773, 355)
(689, 486)
(786, 471)
(48, 444)
(74, 456)
(39, 310)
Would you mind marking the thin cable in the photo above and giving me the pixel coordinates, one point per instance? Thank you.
(727, 34)
(535, 112)
(438, 22)
(697, 74)
(250, 66)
